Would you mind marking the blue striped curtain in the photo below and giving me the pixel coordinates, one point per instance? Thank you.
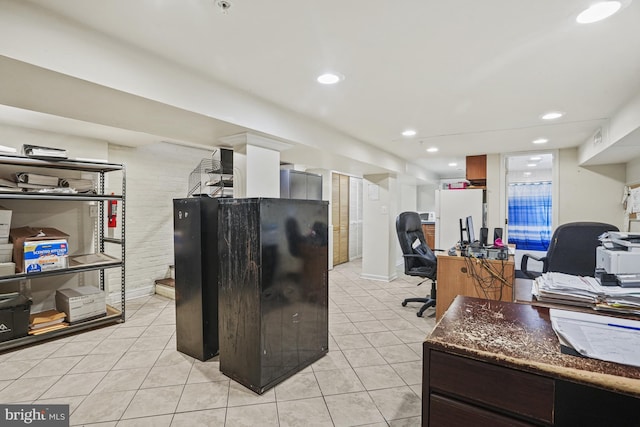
(530, 215)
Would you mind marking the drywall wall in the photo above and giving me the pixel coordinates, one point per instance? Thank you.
(589, 193)
(633, 171)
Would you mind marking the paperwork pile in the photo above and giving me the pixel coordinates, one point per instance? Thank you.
(600, 337)
(586, 292)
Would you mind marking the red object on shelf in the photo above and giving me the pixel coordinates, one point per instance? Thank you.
(112, 213)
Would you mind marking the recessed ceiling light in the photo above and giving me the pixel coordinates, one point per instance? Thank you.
(409, 132)
(531, 165)
(540, 141)
(527, 174)
(552, 115)
(535, 159)
(329, 79)
(453, 164)
(598, 11)
(432, 150)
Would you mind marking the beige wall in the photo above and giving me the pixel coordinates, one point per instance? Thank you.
(633, 171)
(591, 193)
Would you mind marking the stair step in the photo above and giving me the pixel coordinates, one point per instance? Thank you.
(166, 282)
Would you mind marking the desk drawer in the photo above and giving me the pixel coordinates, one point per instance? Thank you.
(506, 389)
(451, 413)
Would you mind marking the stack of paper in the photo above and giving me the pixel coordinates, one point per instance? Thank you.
(35, 181)
(45, 152)
(46, 321)
(600, 337)
(80, 185)
(586, 292)
(567, 289)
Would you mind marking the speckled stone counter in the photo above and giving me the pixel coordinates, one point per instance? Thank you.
(503, 360)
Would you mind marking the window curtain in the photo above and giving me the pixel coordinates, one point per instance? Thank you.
(530, 215)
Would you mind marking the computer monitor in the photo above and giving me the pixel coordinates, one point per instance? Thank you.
(467, 233)
(471, 235)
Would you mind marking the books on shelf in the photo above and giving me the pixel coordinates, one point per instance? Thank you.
(44, 152)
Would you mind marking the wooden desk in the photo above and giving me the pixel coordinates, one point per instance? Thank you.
(492, 363)
(459, 275)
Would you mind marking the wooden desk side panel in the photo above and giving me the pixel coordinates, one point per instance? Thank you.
(454, 279)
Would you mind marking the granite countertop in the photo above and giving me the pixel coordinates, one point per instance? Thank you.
(521, 336)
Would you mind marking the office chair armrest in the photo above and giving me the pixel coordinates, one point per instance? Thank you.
(524, 261)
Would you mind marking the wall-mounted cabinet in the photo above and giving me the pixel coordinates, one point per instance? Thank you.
(477, 170)
(96, 253)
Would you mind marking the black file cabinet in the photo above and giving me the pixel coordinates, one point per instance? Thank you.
(196, 276)
(273, 288)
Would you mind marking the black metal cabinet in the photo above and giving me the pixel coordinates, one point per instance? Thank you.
(273, 288)
(196, 270)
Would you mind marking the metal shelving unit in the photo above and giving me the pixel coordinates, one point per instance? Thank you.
(104, 262)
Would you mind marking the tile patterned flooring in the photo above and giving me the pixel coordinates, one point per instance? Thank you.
(130, 374)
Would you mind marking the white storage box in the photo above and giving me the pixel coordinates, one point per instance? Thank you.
(7, 268)
(6, 252)
(5, 225)
(81, 303)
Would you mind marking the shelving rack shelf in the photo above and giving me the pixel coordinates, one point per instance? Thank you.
(103, 262)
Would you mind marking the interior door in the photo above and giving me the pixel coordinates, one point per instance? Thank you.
(340, 217)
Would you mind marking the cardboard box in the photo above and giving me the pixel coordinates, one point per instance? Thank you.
(81, 303)
(31, 234)
(5, 224)
(45, 255)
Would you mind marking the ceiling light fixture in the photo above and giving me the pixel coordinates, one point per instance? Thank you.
(453, 164)
(531, 165)
(329, 78)
(527, 174)
(540, 141)
(432, 150)
(409, 132)
(552, 115)
(598, 11)
(535, 159)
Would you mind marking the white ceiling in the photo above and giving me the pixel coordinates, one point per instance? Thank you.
(471, 77)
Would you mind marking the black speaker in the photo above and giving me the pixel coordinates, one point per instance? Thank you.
(484, 235)
(497, 234)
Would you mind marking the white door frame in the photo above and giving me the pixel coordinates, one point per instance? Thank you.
(504, 208)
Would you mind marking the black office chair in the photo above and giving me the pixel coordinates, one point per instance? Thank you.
(572, 250)
(419, 259)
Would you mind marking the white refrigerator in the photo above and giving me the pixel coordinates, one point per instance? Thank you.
(453, 205)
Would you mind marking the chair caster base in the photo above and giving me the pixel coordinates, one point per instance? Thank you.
(404, 303)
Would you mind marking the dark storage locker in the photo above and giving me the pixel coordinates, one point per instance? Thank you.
(273, 296)
(195, 222)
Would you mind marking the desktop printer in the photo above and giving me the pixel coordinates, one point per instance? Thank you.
(618, 259)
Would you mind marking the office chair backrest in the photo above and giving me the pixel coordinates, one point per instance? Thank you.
(409, 228)
(573, 247)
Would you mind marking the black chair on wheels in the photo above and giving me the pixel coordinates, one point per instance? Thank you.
(572, 250)
(419, 259)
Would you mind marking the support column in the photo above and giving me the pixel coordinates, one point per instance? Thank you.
(379, 241)
(256, 164)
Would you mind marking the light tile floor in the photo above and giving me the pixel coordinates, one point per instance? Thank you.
(130, 374)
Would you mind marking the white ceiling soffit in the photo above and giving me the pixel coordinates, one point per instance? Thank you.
(470, 77)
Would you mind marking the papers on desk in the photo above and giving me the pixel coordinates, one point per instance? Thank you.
(586, 292)
(599, 337)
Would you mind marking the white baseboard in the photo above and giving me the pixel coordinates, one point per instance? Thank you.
(379, 278)
(114, 297)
